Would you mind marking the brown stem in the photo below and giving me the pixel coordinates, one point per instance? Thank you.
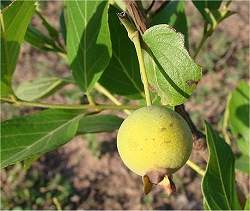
(198, 136)
(136, 14)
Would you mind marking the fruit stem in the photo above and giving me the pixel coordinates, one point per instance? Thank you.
(196, 168)
(106, 93)
(144, 77)
(17, 102)
(134, 36)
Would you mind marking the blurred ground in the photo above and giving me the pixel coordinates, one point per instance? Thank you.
(87, 173)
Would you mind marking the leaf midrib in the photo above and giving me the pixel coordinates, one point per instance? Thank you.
(41, 139)
(217, 161)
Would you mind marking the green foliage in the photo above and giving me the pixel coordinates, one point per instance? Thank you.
(211, 12)
(39, 40)
(87, 36)
(99, 49)
(218, 184)
(172, 73)
(239, 111)
(123, 69)
(205, 5)
(63, 26)
(30, 135)
(174, 15)
(14, 18)
(99, 123)
(239, 119)
(41, 87)
(24, 137)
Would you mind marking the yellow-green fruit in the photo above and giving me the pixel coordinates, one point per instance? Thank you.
(154, 138)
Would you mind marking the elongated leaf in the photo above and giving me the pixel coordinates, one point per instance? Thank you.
(218, 184)
(88, 40)
(32, 135)
(41, 87)
(174, 15)
(211, 11)
(206, 5)
(122, 76)
(239, 106)
(14, 21)
(238, 119)
(38, 40)
(99, 123)
(53, 33)
(63, 29)
(172, 73)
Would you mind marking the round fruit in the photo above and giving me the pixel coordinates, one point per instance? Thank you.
(154, 139)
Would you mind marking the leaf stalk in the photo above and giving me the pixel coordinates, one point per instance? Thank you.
(134, 36)
(196, 168)
(106, 93)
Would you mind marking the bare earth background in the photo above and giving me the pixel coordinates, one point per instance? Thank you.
(87, 173)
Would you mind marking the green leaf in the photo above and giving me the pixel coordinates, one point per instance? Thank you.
(88, 40)
(247, 205)
(214, 17)
(242, 163)
(38, 40)
(238, 119)
(205, 5)
(122, 76)
(99, 123)
(172, 73)
(53, 33)
(211, 11)
(63, 29)
(218, 184)
(32, 135)
(14, 18)
(174, 15)
(239, 116)
(38, 88)
(4, 4)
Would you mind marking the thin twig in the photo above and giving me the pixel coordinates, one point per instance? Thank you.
(198, 136)
(196, 168)
(20, 103)
(198, 49)
(105, 92)
(137, 16)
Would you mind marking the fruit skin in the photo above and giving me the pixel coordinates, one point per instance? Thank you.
(154, 139)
